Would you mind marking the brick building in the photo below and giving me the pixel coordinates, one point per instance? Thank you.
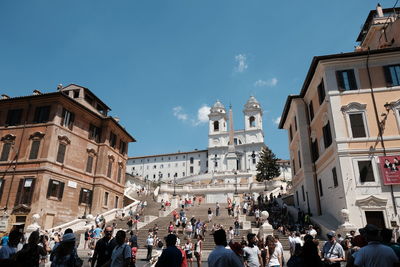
(61, 156)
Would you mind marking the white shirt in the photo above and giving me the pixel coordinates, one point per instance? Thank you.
(252, 256)
(149, 241)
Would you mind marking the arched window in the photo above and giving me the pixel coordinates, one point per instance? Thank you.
(216, 126)
(252, 121)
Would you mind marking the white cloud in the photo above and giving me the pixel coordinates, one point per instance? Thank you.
(270, 83)
(178, 112)
(277, 120)
(202, 114)
(241, 63)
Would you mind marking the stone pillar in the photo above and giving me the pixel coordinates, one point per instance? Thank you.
(346, 227)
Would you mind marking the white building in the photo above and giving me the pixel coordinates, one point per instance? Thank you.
(192, 165)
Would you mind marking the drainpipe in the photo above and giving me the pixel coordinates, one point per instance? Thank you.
(379, 126)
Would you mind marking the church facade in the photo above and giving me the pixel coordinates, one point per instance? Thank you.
(228, 151)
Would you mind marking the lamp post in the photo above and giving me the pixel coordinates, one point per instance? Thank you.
(236, 183)
(174, 194)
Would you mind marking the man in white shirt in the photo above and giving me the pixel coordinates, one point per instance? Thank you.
(252, 253)
(149, 244)
(312, 231)
(221, 256)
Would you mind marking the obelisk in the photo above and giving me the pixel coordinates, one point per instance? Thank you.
(231, 156)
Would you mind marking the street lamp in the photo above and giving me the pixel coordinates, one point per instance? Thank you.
(236, 184)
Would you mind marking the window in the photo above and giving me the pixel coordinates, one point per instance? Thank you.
(119, 176)
(68, 119)
(321, 92)
(199, 163)
(1, 186)
(215, 163)
(297, 198)
(254, 161)
(295, 124)
(169, 175)
(299, 157)
(89, 164)
(113, 140)
(105, 201)
(311, 111)
(116, 202)
(334, 177)
(55, 189)
(327, 135)
(293, 167)
(357, 125)
(346, 80)
(85, 196)
(26, 188)
(122, 147)
(252, 121)
(94, 133)
(321, 193)
(76, 93)
(183, 174)
(392, 75)
(191, 160)
(302, 191)
(290, 133)
(191, 170)
(366, 171)
(34, 149)
(216, 126)
(42, 114)
(5, 152)
(314, 150)
(14, 117)
(61, 152)
(109, 169)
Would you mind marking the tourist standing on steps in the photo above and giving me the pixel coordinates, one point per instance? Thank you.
(198, 248)
(217, 206)
(332, 251)
(171, 256)
(221, 256)
(122, 253)
(209, 212)
(252, 253)
(104, 247)
(189, 252)
(149, 245)
(237, 226)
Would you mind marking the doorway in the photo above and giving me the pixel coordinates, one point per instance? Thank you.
(376, 218)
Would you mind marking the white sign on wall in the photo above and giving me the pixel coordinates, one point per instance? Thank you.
(72, 184)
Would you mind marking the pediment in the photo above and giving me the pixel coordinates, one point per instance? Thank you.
(21, 209)
(353, 106)
(371, 201)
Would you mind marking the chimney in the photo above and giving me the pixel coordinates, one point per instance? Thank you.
(4, 96)
(379, 10)
(116, 119)
(36, 92)
(59, 87)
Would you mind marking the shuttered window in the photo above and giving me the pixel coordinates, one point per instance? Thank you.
(34, 149)
(366, 171)
(314, 150)
(109, 169)
(94, 133)
(334, 177)
(302, 191)
(297, 198)
(357, 125)
(55, 189)
(311, 110)
(113, 140)
(327, 135)
(321, 92)
(346, 80)
(299, 158)
(61, 153)
(119, 174)
(85, 196)
(392, 75)
(89, 164)
(25, 191)
(290, 133)
(42, 114)
(321, 193)
(5, 152)
(68, 119)
(105, 201)
(116, 202)
(14, 117)
(122, 147)
(295, 123)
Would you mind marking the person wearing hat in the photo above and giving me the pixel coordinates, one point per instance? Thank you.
(252, 253)
(65, 254)
(332, 251)
(375, 254)
(221, 256)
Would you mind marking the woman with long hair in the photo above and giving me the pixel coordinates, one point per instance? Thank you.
(189, 251)
(198, 248)
(274, 253)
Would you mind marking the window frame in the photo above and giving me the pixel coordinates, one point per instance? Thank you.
(59, 189)
(355, 108)
(40, 116)
(351, 80)
(11, 120)
(68, 119)
(88, 199)
(375, 172)
(362, 113)
(389, 76)
(23, 197)
(335, 177)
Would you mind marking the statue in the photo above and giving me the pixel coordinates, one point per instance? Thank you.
(35, 225)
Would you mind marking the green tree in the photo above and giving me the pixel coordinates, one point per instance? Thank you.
(267, 168)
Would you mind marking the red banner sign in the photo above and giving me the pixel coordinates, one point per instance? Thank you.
(390, 169)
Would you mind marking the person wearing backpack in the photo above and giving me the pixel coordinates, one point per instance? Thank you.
(7, 252)
(122, 253)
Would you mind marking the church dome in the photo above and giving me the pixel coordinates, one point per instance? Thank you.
(218, 107)
(252, 103)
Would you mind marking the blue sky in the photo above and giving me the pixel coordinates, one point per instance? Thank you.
(157, 63)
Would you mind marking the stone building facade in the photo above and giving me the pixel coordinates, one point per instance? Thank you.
(62, 157)
(346, 117)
